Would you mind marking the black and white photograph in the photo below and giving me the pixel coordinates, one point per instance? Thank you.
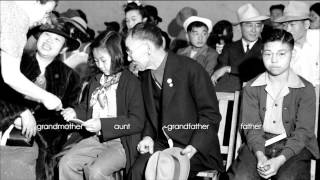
(159, 90)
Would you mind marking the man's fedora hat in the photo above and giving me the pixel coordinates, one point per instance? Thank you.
(60, 29)
(248, 13)
(168, 164)
(192, 19)
(295, 11)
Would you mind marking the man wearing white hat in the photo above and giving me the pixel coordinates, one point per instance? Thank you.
(198, 30)
(241, 60)
(306, 60)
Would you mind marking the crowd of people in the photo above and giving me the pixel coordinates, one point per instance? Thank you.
(132, 87)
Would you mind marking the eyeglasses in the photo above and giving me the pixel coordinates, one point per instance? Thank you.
(130, 52)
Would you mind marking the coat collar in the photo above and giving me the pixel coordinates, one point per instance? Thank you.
(170, 79)
(95, 82)
(254, 48)
(202, 51)
(171, 71)
(293, 80)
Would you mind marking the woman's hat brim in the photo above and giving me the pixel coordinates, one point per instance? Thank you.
(71, 43)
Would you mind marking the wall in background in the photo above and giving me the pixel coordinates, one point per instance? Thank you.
(101, 11)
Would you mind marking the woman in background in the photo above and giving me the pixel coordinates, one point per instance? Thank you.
(315, 16)
(221, 35)
(134, 13)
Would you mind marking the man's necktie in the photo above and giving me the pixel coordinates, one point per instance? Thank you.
(248, 49)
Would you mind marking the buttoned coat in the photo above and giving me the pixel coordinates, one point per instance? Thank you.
(188, 96)
(130, 110)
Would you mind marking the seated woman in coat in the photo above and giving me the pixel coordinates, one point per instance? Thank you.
(45, 69)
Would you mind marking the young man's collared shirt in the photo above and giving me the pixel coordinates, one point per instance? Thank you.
(245, 43)
(206, 56)
(274, 103)
(306, 61)
(157, 74)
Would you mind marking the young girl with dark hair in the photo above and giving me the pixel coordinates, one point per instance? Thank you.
(113, 108)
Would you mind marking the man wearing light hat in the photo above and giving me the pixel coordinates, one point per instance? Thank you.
(306, 41)
(198, 30)
(241, 60)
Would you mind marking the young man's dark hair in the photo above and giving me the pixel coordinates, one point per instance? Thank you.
(279, 35)
(45, 1)
(316, 8)
(276, 6)
(147, 31)
(196, 24)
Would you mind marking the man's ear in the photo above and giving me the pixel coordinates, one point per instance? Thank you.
(150, 47)
(187, 36)
(306, 24)
(163, 42)
(63, 50)
(144, 19)
(294, 53)
(262, 26)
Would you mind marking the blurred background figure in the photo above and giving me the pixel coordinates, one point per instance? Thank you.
(111, 26)
(175, 28)
(155, 19)
(134, 13)
(222, 34)
(315, 16)
(153, 14)
(276, 11)
(77, 23)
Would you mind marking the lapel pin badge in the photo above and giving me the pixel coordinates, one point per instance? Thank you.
(169, 81)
